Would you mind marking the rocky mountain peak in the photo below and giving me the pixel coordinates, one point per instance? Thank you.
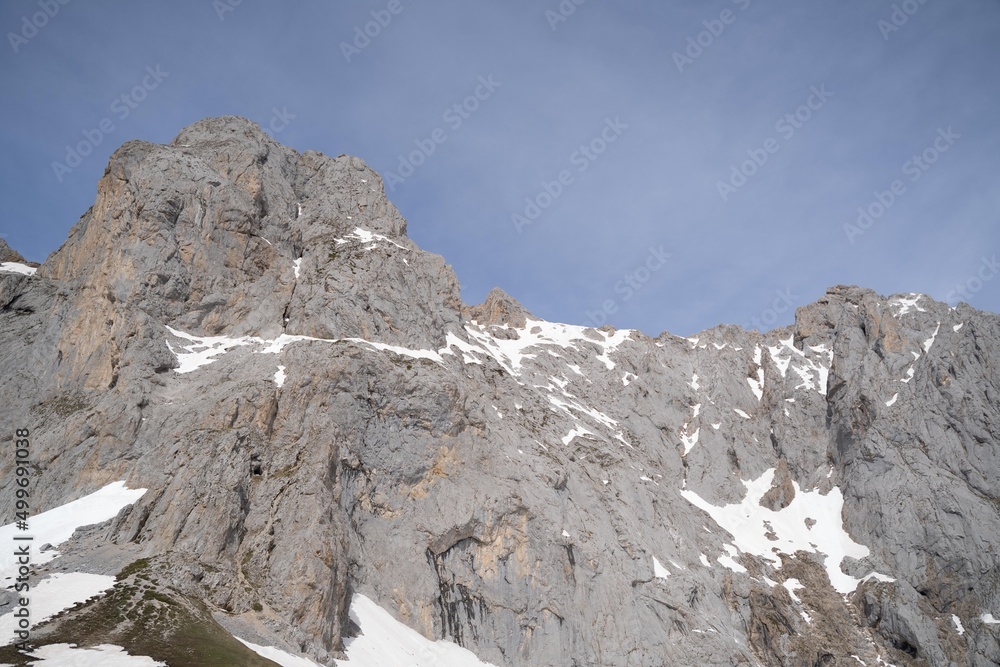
(499, 309)
(319, 426)
(8, 254)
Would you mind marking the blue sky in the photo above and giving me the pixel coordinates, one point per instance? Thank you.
(675, 165)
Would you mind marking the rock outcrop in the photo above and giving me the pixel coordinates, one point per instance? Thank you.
(248, 333)
(8, 254)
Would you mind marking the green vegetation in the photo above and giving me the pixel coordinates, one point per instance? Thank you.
(133, 568)
(65, 405)
(174, 629)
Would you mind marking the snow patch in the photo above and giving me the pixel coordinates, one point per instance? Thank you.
(465, 348)
(54, 594)
(783, 352)
(958, 326)
(930, 341)
(694, 382)
(559, 382)
(510, 353)
(893, 399)
(793, 585)
(621, 438)
(298, 266)
(385, 641)
(579, 430)
(402, 351)
(57, 525)
(817, 382)
(279, 377)
(659, 571)
(17, 267)
(749, 524)
(757, 386)
(366, 236)
(573, 406)
(730, 563)
(690, 440)
(202, 350)
(988, 619)
(741, 413)
(906, 304)
(105, 655)
(284, 340)
(959, 628)
(814, 369)
(277, 655)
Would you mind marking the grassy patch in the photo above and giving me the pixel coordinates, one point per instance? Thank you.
(173, 629)
(66, 405)
(133, 568)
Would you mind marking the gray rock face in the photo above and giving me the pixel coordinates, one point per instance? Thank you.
(248, 333)
(8, 254)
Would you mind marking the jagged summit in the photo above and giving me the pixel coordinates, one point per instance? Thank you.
(499, 308)
(219, 130)
(8, 254)
(319, 425)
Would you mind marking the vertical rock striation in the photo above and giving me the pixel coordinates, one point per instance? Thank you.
(247, 332)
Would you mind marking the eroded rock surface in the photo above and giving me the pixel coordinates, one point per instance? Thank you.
(248, 333)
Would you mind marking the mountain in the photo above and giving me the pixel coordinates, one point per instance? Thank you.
(296, 433)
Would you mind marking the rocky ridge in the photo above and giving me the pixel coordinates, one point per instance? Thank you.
(8, 254)
(248, 333)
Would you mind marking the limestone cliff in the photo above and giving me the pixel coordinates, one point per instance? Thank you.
(248, 333)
